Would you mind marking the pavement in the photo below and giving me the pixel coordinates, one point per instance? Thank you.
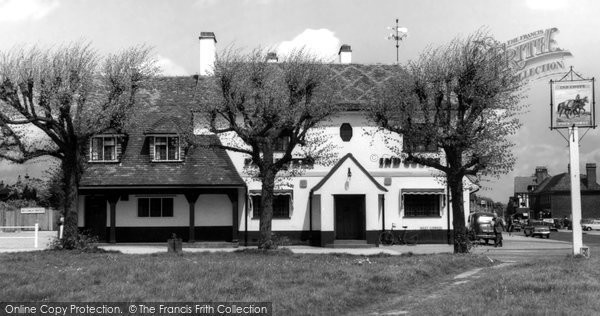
(20, 241)
(513, 242)
(391, 250)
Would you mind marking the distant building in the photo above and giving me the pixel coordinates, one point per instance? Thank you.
(524, 187)
(552, 197)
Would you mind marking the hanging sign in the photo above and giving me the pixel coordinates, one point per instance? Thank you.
(572, 103)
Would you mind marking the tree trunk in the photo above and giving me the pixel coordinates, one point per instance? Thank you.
(267, 177)
(70, 168)
(266, 214)
(458, 215)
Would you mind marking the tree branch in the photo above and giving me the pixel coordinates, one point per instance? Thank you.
(221, 146)
(31, 155)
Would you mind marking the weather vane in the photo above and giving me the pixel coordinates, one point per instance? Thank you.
(400, 33)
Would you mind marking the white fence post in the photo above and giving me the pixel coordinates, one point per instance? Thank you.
(35, 240)
(60, 231)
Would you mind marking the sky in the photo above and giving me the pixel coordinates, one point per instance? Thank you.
(172, 29)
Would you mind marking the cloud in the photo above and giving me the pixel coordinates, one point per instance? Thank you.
(547, 5)
(259, 2)
(22, 10)
(205, 3)
(590, 157)
(323, 43)
(169, 67)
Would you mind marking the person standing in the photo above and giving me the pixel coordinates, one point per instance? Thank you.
(509, 225)
(498, 228)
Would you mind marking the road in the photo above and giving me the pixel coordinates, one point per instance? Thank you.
(590, 238)
(519, 248)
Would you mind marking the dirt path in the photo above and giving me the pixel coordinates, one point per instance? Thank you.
(404, 304)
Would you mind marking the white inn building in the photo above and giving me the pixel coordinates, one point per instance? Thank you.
(148, 183)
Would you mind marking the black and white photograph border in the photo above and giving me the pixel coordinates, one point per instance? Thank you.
(275, 157)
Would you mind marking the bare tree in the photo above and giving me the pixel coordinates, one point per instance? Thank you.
(455, 107)
(270, 107)
(52, 101)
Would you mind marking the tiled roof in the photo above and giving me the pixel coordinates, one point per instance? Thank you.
(166, 106)
(167, 125)
(561, 182)
(358, 82)
(521, 183)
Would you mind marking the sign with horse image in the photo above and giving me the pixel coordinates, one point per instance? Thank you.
(572, 103)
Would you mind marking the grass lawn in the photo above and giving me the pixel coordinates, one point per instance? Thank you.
(296, 284)
(564, 286)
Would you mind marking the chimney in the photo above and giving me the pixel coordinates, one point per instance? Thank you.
(208, 51)
(345, 54)
(590, 171)
(541, 173)
(272, 57)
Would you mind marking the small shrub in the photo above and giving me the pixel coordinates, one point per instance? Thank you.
(275, 252)
(80, 241)
(281, 240)
(275, 242)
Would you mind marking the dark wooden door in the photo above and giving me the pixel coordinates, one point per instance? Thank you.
(95, 216)
(349, 216)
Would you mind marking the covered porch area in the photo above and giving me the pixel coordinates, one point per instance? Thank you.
(142, 215)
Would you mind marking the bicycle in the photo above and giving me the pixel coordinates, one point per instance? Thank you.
(388, 237)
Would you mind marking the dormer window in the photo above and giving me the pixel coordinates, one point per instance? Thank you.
(103, 148)
(166, 148)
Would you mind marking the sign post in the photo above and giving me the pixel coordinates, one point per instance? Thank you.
(572, 105)
(575, 189)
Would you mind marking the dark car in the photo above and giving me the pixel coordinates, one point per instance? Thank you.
(516, 226)
(480, 226)
(536, 228)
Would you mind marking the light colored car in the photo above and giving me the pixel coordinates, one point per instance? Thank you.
(536, 228)
(589, 225)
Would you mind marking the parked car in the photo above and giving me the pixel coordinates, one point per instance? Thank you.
(517, 226)
(559, 223)
(480, 226)
(551, 224)
(536, 228)
(591, 224)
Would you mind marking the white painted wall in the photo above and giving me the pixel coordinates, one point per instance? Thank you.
(359, 184)
(394, 212)
(127, 215)
(367, 147)
(210, 210)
